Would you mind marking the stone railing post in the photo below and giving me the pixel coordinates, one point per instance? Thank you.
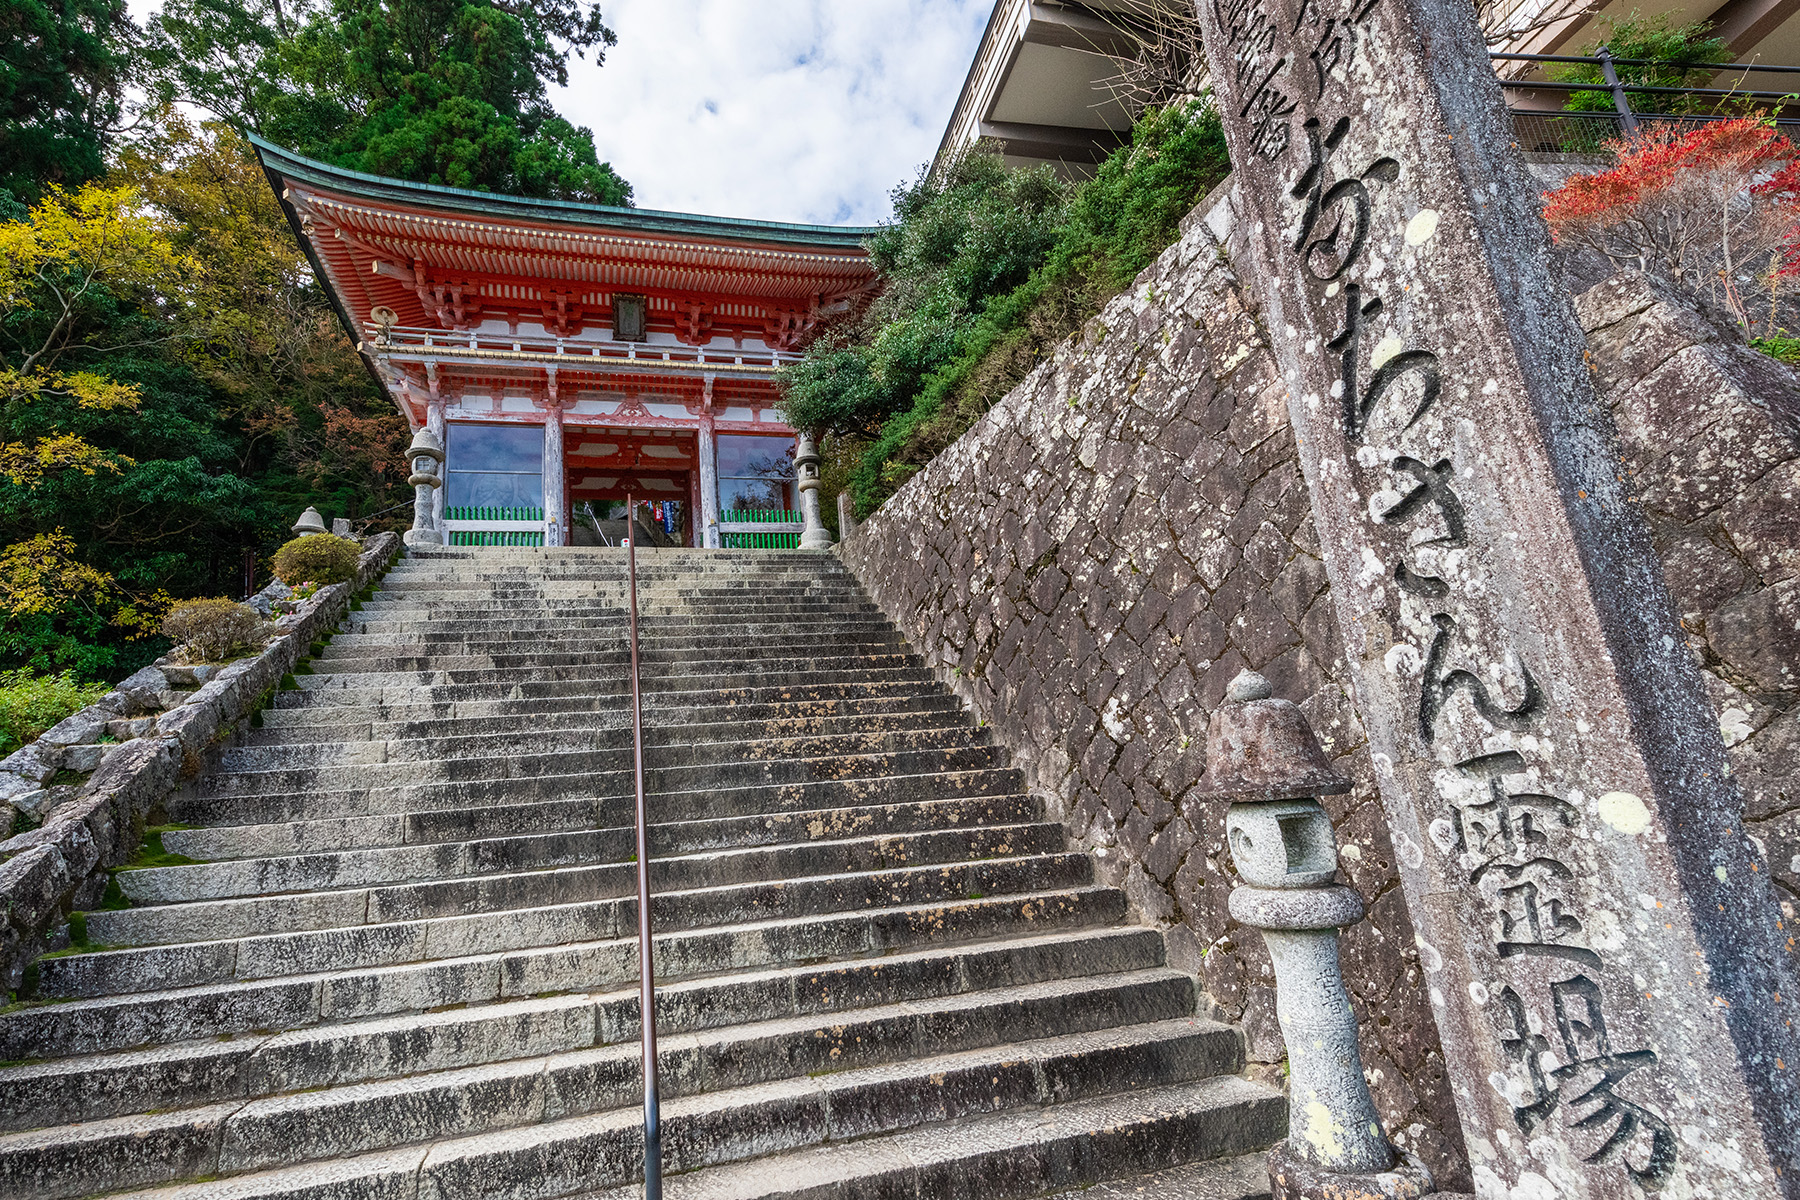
(1262, 757)
(427, 459)
(846, 515)
(813, 534)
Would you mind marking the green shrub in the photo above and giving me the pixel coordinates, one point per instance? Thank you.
(1779, 346)
(984, 272)
(30, 704)
(214, 630)
(1657, 41)
(316, 558)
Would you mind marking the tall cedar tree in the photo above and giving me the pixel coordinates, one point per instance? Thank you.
(63, 68)
(440, 91)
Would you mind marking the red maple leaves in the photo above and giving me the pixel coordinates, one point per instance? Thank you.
(1713, 209)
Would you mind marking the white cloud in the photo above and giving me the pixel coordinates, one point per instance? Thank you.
(785, 110)
(782, 110)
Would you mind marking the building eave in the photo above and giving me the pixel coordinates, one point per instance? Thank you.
(277, 161)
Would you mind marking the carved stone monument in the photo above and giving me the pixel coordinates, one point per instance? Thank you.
(1605, 961)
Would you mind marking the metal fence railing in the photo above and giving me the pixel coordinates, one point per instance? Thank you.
(1635, 107)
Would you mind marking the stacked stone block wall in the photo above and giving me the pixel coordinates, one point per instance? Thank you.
(1710, 433)
(1091, 565)
(1094, 561)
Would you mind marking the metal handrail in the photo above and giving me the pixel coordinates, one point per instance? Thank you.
(1533, 85)
(646, 963)
(1620, 91)
(1642, 62)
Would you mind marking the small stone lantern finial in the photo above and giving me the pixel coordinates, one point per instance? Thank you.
(1262, 757)
(310, 522)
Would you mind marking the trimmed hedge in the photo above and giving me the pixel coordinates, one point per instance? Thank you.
(319, 558)
(215, 629)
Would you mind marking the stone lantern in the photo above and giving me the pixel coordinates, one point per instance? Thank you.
(427, 456)
(310, 522)
(813, 534)
(1262, 757)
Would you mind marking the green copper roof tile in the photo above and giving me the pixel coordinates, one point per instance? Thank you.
(276, 160)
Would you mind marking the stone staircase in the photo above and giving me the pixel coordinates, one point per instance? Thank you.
(401, 961)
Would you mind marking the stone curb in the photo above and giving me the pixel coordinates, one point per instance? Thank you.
(63, 865)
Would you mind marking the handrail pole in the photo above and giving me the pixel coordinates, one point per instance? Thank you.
(1626, 116)
(646, 963)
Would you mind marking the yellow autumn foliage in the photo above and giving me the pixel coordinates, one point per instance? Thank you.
(24, 464)
(72, 243)
(96, 234)
(42, 575)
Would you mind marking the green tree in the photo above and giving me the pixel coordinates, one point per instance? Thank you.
(1655, 43)
(984, 272)
(441, 91)
(63, 70)
(959, 238)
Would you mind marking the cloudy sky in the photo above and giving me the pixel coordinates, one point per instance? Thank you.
(785, 110)
(788, 110)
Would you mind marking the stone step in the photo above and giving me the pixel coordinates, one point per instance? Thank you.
(599, 665)
(563, 824)
(528, 684)
(612, 623)
(1001, 1157)
(773, 704)
(693, 725)
(653, 646)
(1001, 1049)
(562, 1131)
(481, 605)
(797, 599)
(1245, 1177)
(683, 674)
(606, 806)
(1010, 1154)
(670, 769)
(500, 860)
(531, 738)
(187, 992)
(967, 992)
(448, 918)
(667, 581)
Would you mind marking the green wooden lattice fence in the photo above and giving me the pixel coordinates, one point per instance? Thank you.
(494, 537)
(760, 541)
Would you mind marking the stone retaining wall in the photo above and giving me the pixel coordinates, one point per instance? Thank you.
(1094, 561)
(1091, 565)
(62, 866)
(1711, 438)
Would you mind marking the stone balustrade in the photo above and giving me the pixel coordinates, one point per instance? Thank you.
(163, 733)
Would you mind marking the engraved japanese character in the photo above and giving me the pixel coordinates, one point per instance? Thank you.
(1581, 1027)
(1330, 254)
(1441, 684)
(1433, 488)
(1360, 401)
(1507, 826)
(1533, 923)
